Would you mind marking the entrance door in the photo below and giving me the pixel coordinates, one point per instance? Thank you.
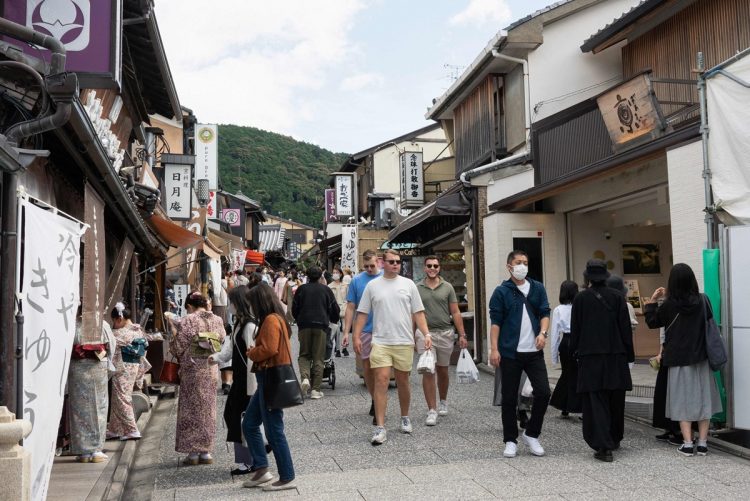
(531, 242)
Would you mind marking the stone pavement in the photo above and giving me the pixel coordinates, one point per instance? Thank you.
(460, 458)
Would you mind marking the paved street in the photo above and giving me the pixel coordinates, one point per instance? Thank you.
(461, 458)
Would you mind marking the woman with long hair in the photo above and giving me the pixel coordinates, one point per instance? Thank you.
(244, 385)
(564, 397)
(196, 408)
(692, 394)
(270, 350)
(122, 423)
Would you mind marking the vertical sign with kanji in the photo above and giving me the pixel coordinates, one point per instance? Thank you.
(412, 179)
(178, 189)
(349, 247)
(344, 186)
(181, 292)
(207, 161)
(49, 292)
(331, 206)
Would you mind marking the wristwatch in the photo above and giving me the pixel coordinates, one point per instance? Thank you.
(544, 333)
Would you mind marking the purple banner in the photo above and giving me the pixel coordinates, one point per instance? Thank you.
(331, 206)
(83, 26)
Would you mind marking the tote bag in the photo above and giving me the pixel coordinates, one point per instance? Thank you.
(717, 352)
(281, 388)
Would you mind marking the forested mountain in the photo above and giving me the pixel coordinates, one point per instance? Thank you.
(281, 173)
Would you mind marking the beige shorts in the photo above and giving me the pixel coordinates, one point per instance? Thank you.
(442, 345)
(400, 356)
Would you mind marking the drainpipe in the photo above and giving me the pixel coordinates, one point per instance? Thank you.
(63, 88)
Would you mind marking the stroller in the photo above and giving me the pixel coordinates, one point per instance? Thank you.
(329, 367)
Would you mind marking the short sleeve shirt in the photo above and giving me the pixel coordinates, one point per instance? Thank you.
(356, 289)
(393, 301)
(437, 303)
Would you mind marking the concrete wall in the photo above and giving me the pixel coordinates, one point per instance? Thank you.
(686, 203)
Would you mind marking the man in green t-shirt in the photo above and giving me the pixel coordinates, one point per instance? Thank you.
(441, 310)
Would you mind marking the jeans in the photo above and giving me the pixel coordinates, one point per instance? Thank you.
(312, 352)
(536, 370)
(273, 422)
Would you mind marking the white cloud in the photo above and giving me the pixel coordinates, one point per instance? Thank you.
(362, 81)
(255, 63)
(483, 11)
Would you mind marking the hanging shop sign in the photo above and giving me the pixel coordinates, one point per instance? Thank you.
(412, 180)
(178, 191)
(231, 216)
(331, 206)
(207, 161)
(181, 292)
(344, 186)
(93, 306)
(349, 247)
(238, 259)
(630, 111)
(49, 292)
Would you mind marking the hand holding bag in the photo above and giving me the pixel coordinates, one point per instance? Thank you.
(426, 363)
(281, 388)
(717, 351)
(466, 370)
(170, 372)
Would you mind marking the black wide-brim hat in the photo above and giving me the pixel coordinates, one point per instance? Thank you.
(596, 270)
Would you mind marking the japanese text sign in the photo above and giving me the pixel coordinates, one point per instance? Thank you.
(178, 191)
(344, 186)
(349, 247)
(231, 216)
(206, 154)
(412, 179)
(330, 206)
(630, 111)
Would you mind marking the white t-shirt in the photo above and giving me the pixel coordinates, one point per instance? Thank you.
(392, 301)
(526, 341)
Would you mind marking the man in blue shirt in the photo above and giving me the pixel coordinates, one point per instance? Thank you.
(353, 297)
(519, 312)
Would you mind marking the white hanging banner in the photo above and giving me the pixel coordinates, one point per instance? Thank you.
(412, 180)
(238, 259)
(50, 298)
(207, 154)
(181, 292)
(349, 247)
(344, 186)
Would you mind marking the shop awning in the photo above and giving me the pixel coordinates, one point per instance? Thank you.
(254, 257)
(174, 234)
(225, 242)
(444, 214)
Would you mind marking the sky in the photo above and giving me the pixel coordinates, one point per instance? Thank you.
(342, 74)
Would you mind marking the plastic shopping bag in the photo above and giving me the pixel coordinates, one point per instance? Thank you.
(426, 363)
(527, 391)
(466, 370)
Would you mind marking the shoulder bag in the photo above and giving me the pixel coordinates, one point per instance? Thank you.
(717, 351)
(281, 388)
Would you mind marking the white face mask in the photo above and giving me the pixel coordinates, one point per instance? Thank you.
(336, 276)
(519, 271)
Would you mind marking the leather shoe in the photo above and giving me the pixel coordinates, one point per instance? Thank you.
(604, 455)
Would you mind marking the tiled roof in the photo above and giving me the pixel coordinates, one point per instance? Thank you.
(271, 237)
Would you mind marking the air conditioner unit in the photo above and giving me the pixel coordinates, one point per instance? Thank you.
(380, 208)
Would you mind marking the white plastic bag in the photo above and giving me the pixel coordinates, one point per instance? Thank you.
(466, 370)
(426, 363)
(527, 391)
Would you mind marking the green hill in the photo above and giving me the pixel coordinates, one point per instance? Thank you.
(283, 174)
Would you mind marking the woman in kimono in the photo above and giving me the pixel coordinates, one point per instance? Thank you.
(122, 423)
(196, 408)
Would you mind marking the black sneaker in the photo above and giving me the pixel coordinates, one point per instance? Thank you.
(523, 419)
(345, 352)
(338, 354)
(664, 436)
(604, 455)
(701, 450)
(686, 450)
(675, 440)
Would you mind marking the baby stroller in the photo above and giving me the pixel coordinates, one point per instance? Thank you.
(329, 368)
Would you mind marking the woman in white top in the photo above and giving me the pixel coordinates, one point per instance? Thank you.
(564, 397)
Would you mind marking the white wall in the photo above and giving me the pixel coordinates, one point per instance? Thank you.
(686, 203)
(509, 181)
(558, 67)
(386, 161)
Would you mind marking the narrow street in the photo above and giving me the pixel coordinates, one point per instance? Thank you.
(460, 458)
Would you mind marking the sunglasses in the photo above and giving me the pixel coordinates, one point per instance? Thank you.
(432, 266)
(393, 261)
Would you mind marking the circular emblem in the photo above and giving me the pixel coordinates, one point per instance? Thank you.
(231, 217)
(205, 134)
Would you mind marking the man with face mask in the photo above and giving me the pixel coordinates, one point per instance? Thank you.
(519, 312)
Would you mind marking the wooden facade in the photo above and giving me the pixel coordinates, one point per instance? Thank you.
(479, 125)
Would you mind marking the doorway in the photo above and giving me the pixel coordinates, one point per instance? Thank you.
(531, 242)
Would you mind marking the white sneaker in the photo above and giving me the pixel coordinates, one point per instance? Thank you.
(431, 418)
(315, 394)
(510, 450)
(443, 408)
(533, 444)
(378, 436)
(305, 386)
(405, 424)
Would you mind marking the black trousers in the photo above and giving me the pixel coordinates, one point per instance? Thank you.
(536, 370)
(659, 418)
(603, 418)
(565, 396)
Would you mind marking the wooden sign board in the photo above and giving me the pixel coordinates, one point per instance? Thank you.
(630, 111)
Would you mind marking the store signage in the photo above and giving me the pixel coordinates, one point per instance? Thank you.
(231, 216)
(331, 206)
(181, 292)
(412, 180)
(90, 31)
(178, 190)
(49, 295)
(344, 186)
(349, 247)
(93, 306)
(630, 111)
(206, 154)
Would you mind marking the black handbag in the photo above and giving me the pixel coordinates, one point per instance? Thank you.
(717, 351)
(281, 388)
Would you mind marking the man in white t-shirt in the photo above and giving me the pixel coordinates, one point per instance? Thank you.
(396, 306)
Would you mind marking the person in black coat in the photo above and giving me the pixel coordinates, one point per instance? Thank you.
(602, 341)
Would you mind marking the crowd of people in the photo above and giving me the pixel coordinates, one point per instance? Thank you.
(386, 318)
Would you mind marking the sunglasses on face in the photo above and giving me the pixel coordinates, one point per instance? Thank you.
(432, 266)
(393, 261)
